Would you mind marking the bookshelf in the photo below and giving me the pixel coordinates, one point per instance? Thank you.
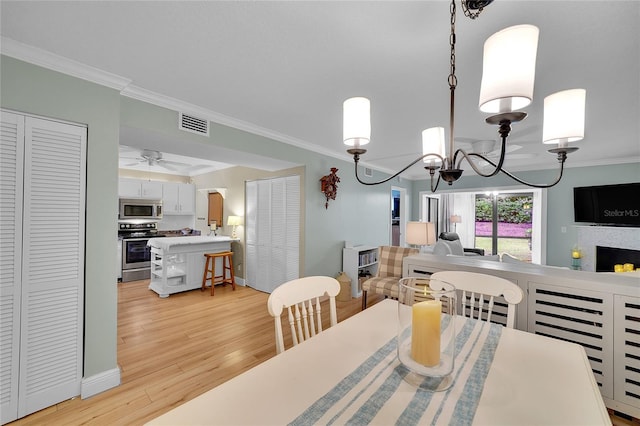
(357, 262)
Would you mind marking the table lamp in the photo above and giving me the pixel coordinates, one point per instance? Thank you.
(455, 219)
(234, 221)
(420, 233)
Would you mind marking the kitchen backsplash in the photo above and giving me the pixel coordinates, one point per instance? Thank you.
(170, 222)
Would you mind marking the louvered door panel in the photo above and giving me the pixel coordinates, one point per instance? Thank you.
(292, 231)
(52, 264)
(263, 226)
(251, 237)
(627, 350)
(11, 172)
(578, 316)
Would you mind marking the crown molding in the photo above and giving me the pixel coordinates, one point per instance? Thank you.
(148, 96)
(45, 59)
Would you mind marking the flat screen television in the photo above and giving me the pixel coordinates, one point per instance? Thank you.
(608, 204)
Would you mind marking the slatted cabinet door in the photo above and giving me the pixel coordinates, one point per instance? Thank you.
(51, 265)
(579, 316)
(627, 350)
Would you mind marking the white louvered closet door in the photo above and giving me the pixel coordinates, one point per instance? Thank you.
(272, 225)
(51, 264)
(11, 172)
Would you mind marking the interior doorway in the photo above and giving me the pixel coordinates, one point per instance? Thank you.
(398, 214)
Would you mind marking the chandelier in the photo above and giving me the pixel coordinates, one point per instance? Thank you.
(508, 73)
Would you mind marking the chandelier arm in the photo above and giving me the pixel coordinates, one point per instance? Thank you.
(562, 156)
(356, 158)
(432, 172)
(473, 165)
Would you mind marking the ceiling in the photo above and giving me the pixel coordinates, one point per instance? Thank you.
(283, 68)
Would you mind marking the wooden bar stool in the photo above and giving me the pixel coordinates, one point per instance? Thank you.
(210, 270)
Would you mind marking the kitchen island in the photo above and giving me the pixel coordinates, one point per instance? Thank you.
(177, 263)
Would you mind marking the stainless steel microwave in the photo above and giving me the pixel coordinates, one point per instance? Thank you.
(139, 208)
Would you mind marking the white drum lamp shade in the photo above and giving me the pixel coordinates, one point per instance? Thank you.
(508, 69)
(433, 142)
(564, 116)
(356, 123)
(420, 233)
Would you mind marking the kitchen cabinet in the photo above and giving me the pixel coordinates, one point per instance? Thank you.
(215, 208)
(178, 198)
(43, 175)
(132, 188)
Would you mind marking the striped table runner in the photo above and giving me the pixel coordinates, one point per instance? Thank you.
(375, 392)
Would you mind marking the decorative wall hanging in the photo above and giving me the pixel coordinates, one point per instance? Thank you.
(329, 185)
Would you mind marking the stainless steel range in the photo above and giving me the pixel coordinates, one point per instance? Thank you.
(136, 256)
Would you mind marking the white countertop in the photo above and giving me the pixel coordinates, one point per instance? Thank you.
(167, 242)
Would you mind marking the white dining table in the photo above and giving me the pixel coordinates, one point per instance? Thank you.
(532, 380)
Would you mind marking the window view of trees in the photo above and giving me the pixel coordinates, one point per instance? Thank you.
(504, 223)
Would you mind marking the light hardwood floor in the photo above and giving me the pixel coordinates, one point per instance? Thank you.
(172, 350)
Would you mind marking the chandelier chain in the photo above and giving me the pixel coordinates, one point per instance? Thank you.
(467, 11)
(453, 82)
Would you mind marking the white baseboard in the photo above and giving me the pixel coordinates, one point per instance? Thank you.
(100, 382)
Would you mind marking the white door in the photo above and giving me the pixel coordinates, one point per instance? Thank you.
(48, 269)
(272, 224)
(11, 184)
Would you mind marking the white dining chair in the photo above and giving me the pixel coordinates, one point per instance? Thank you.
(478, 292)
(301, 297)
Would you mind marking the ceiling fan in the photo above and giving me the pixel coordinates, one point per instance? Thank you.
(154, 158)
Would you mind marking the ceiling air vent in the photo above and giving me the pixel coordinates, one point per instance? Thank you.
(193, 124)
(368, 172)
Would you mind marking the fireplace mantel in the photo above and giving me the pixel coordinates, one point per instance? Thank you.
(609, 236)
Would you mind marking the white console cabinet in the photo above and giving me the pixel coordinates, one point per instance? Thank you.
(600, 311)
(357, 261)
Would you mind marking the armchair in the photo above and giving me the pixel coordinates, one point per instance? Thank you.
(385, 281)
(449, 243)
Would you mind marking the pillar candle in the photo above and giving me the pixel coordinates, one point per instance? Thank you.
(618, 268)
(425, 332)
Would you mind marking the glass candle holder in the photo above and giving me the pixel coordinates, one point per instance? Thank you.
(426, 332)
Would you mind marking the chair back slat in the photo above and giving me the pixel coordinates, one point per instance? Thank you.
(490, 309)
(301, 298)
(318, 317)
(482, 289)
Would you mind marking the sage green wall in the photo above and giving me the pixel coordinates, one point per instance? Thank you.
(559, 198)
(31, 89)
(359, 214)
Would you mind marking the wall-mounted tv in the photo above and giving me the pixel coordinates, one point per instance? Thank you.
(608, 204)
